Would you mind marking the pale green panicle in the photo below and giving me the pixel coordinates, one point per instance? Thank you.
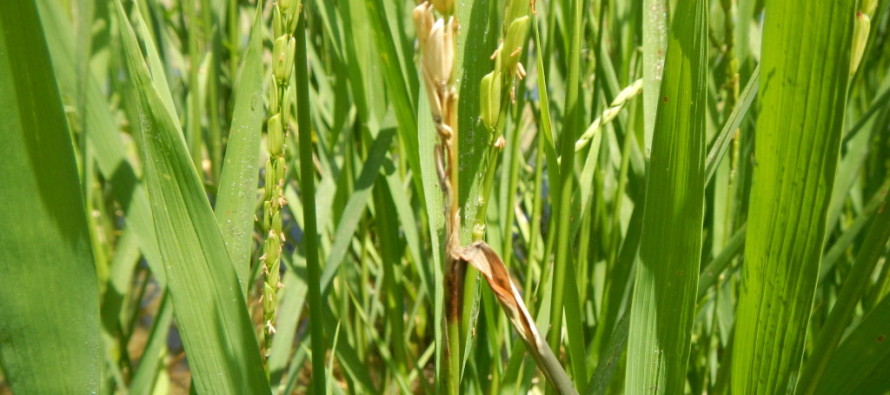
(284, 22)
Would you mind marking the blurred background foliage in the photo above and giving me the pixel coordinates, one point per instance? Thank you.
(133, 138)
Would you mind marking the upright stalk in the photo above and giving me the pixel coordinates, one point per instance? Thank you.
(284, 18)
(234, 37)
(489, 168)
(307, 185)
(437, 45)
(194, 131)
(497, 94)
(212, 97)
(564, 208)
(731, 88)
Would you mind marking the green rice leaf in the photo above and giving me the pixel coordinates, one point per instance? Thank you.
(49, 296)
(655, 41)
(670, 249)
(238, 182)
(724, 138)
(868, 350)
(103, 137)
(803, 87)
(397, 75)
(854, 286)
(432, 198)
(474, 47)
(208, 304)
(352, 213)
(153, 358)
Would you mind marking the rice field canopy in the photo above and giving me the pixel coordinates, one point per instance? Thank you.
(445, 196)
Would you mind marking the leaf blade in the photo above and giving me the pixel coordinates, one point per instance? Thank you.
(803, 84)
(237, 185)
(670, 248)
(49, 297)
(207, 301)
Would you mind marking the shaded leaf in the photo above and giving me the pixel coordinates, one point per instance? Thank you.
(49, 296)
(664, 294)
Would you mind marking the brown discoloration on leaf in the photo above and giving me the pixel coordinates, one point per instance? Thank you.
(484, 259)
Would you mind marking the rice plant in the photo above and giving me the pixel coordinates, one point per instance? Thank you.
(445, 196)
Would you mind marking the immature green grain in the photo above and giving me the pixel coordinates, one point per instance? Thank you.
(507, 68)
(284, 21)
(497, 91)
(861, 28)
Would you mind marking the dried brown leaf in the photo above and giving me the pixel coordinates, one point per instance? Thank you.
(487, 262)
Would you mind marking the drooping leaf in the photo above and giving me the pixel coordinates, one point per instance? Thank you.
(490, 265)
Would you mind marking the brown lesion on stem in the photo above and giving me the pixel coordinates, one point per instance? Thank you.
(455, 286)
(437, 37)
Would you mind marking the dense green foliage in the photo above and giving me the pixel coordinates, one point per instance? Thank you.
(689, 196)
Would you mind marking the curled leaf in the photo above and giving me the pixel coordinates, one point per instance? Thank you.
(487, 262)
